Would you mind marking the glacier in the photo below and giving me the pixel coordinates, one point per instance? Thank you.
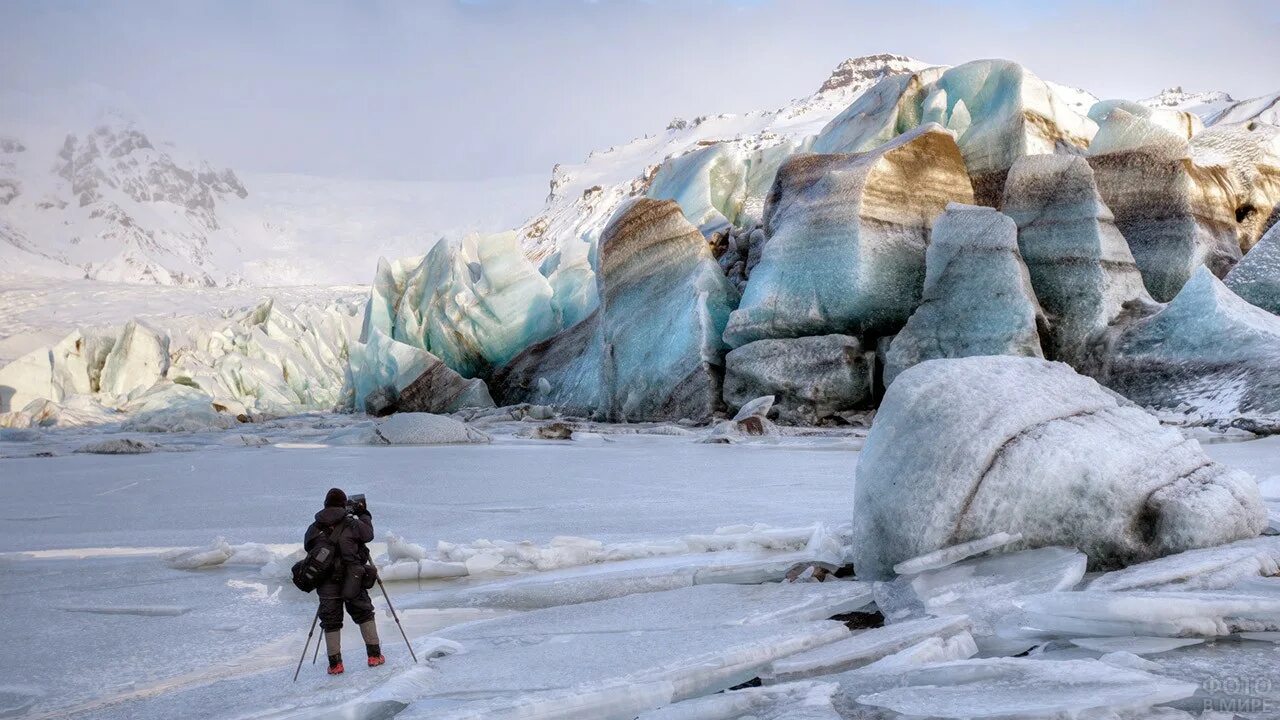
(1208, 354)
(977, 298)
(1080, 265)
(998, 110)
(1176, 213)
(846, 238)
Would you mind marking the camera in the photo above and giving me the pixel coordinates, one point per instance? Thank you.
(356, 504)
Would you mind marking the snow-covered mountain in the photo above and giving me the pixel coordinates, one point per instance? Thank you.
(111, 205)
(1218, 108)
(116, 204)
(585, 195)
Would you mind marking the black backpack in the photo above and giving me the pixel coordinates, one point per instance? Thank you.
(313, 569)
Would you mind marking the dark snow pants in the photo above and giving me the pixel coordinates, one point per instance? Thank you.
(360, 608)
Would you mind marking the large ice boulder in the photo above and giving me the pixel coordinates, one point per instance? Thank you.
(846, 239)
(1175, 213)
(170, 407)
(389, 376)
(424, 429)
(138, 359)
(664, 303)
(999, 111)
(1257, 277)
(1057, 458)
(1080, 265)
(810, 378)
(1251, 154)
(977, 298)
(1208, 352)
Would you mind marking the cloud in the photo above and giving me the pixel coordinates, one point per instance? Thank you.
(481, 89)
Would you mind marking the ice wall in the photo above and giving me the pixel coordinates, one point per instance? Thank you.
(846, 239)
(1080, 265)
(977, 297)
(1175, 213)
(998, 110)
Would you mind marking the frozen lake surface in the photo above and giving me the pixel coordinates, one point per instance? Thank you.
(98, 625)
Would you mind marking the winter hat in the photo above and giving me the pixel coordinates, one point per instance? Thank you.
(335, 498)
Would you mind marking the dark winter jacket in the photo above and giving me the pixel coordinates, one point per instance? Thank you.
(352, 551)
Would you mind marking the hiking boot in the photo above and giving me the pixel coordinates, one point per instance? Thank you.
(335, 664)
(375, 655)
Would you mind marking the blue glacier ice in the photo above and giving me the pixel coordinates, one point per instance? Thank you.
(977, 297)
(998, 110)
(846, 239)
(474, 304)
(653, 348)
(1257, 277)
(1080, 264)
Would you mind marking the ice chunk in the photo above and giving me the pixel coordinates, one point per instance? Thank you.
(810, 378)
(955, 553)
(194, 558)
(565, 371)
(664, 305)
(791, 701)
(1134, 645)
(982, 589)
(1257, 277)
(862, 648)
(1061, 460)
(960, 646)
(1208, 352)
(138, 358)
(1080, 265)
(1175, 214)
(1014, 687)
(389, 376)
(847, 236)
(400, 549)
(1180, 122)
(998, 110)
(1204, 569)
(977, 294)
(425, 429)
(170, 407)
(474, 305)
(625, 577)
(1251, 154)
(1144, 613)
(118, 446)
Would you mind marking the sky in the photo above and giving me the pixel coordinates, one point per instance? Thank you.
(450, 90)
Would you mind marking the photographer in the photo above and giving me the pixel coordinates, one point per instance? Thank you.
(352, 574)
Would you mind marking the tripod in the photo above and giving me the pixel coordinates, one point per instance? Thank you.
(316, 618)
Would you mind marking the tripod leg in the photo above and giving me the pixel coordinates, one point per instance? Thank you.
(397, 618)
(317, 653)
(310, 633)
